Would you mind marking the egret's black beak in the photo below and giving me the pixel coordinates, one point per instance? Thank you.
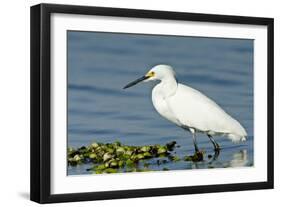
(136, 82)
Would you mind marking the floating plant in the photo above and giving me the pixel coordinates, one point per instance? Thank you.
(111, 157)
(116, 157)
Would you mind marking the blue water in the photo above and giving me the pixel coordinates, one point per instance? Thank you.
(100, 64)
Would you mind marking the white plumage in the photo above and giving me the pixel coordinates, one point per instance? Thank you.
(189, 108)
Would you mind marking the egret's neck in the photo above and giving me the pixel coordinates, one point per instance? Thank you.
(168, 86)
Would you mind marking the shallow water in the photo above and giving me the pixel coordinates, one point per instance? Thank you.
(100, 64)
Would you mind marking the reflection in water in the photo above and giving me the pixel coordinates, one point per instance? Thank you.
(239, 159)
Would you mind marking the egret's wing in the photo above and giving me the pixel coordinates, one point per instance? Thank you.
(196, 110)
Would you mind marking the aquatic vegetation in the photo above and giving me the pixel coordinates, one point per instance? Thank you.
(113, 157)
(198, 156)
(116, 157)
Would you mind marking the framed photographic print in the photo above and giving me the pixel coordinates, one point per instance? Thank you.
(132, 103)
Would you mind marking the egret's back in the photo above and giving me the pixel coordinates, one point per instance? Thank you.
(193, 109)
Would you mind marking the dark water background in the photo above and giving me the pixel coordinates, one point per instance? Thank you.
(100, 64)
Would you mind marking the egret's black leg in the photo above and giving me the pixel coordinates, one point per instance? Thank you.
(214, 157)
(217, 153)
(195, 142)
(216, 145)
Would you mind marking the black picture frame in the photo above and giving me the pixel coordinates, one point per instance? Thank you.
(41, 98)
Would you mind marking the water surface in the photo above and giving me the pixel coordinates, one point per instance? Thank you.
(100, 64)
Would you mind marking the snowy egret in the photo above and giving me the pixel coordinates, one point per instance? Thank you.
(190, 109)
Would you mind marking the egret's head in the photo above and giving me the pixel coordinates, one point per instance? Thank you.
(158, 72)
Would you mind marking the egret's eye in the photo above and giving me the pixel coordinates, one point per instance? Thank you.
(150, 74)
